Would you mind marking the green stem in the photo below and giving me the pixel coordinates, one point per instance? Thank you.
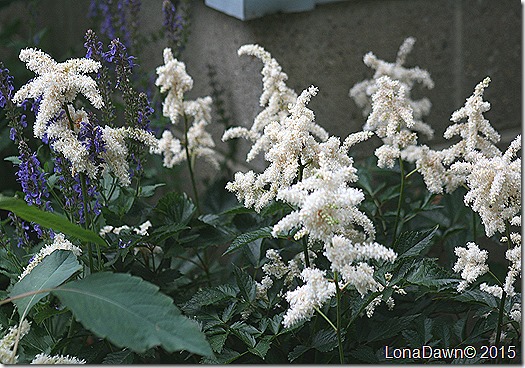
(400, 201)
(305, 250)
(504, 294)
(326, 318)
(338, 330)
(86, 216)
(190, 166)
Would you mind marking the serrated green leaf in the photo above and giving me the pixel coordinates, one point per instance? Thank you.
(426, 272)
(324, 340)
(209, 296)
(262, 347)
(149, 190)
(174, 208)
(243, 239)
(217, 341)
(386, 330)
(119, 357)
(297, 352)
(49, 220)
(478, 297)
(52, 271)
(246, 284)
(131, 313)
(414, 243)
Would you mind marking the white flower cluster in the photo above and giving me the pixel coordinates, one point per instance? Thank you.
(58, 84)
(390, 302)
(141, 230)
(115, 155)
(275, 98)
(59, 243)
(362, 91)
(289, 146)
(305, 299)
(9, 341)
(172, 78)
(312, 172)
(56, 359)
(494, 186)
(471, 263)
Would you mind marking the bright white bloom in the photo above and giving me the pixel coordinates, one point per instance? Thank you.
(171, 148)
(514, 257)
(371, 307)
(58, 84)
(342, 251)
(305, 299)
(471, 263)
(494, 187)
(360, 276)
(263, 287)
(172, 78)
(64, 139)
(362, 91)
(115, 155)
(391, 120)
(515, 313)
(59, 243)
(495, 290)
(326, 206)
(289, 145)
(429, 164)
(476, 133)
(143, 228)
(275, 98)
(56, 359)
(8, 342)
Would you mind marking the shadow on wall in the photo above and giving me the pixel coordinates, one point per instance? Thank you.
(458, 42)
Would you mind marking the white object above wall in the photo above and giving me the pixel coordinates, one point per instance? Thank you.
(251, 9)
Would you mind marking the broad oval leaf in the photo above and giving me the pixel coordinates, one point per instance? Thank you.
(132, 313)
(49, 220)
(52, 271)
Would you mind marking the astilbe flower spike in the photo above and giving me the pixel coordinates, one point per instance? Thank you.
(58, 84)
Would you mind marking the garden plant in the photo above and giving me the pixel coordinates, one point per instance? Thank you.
(317, 258)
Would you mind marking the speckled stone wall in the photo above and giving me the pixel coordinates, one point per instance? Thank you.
(459, 42)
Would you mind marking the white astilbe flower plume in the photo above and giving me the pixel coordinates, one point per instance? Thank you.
(9, 341)
(200, 142)
(326, 204)
(494, 186)
(514, 257)
(476, 133)
(303, 301)
(362, 91)
(59, 243)
(172, 78)
(343, 253)
(56, 359)
(58, 84)
(290, 145)
(471, 263)
(65, 140)
(115, 155)
(275, 98)
(391, 120)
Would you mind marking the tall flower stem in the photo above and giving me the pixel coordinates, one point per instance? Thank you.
(338, 321)
(504, 294)
(85, 211)
(400, 201)
(190, 165)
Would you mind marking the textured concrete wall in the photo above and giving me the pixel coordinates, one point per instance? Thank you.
(459, 42)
